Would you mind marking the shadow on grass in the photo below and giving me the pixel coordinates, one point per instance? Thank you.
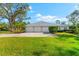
(38, 52)
(58, 51)
(65, 52)
(65, 36)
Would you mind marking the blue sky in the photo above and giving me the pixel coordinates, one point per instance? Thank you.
(50, 12)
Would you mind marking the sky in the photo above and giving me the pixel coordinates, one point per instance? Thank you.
(50, 12)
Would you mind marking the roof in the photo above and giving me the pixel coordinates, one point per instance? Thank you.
(42, 23)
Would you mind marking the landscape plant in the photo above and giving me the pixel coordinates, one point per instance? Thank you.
(53, 29)
(19, 27)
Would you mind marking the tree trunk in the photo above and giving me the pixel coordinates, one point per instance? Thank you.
(11, 22)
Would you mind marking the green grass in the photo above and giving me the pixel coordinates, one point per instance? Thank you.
(63, 45)
(5, 32)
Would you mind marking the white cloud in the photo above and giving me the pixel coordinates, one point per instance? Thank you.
(38, 15)
(49, 18)
(77, 7)
(31, 11)
(30, 7)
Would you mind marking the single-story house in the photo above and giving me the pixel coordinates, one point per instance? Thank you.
(43, 27)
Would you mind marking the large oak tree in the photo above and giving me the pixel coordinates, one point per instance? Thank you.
(13, 11)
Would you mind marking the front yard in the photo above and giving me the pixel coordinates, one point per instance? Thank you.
(63, 45)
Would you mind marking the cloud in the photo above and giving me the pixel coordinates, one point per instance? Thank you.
(30, 7)
(31, 11)
(49, 18)
(38, 15)
(77, 6)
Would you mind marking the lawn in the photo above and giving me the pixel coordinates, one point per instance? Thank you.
(62, 45)
(5, 32)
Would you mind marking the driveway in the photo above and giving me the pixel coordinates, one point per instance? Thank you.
(28, 35)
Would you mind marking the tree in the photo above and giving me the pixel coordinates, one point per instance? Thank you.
(12, 12)
(74, 20)
(63, 23)
(57, 21)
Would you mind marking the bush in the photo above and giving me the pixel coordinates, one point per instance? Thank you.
(72, 29)
(53, 29)
(18, 27)
(3, 26)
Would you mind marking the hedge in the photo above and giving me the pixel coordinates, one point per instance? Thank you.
(53, 29)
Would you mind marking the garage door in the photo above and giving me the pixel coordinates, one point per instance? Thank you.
(41, 29)
(33, 29)
(37, 29)
(29, 29)
(45, 29)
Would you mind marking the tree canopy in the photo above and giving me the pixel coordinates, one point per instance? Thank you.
(74, 20)
(13, 12)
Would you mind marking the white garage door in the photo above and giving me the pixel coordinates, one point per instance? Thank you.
(29, 29)
(45, 29)
(37, 29)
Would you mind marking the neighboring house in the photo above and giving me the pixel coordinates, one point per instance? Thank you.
(43, 27)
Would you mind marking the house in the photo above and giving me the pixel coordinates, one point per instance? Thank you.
(43, 27)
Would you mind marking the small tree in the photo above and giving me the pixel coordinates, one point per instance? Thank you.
(57, 21)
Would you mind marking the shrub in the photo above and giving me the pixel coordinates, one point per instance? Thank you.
(53, 29)
(72, 29)
(3, 26)
(18, 27)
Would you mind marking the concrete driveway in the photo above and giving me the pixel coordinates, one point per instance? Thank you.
(28, 35)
